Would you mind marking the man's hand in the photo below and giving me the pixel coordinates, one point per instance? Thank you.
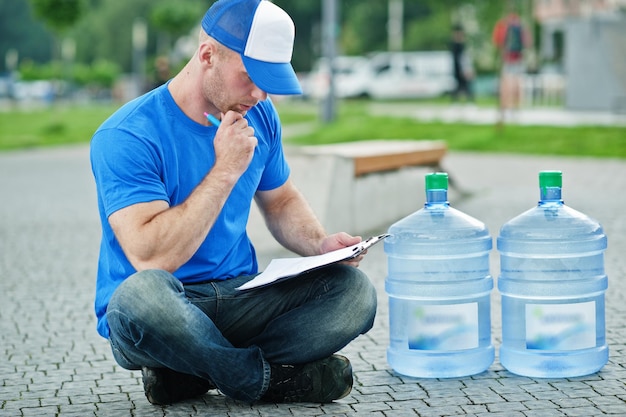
(234, 145)
(342, 240)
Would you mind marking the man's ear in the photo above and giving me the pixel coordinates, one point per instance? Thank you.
(207, 51)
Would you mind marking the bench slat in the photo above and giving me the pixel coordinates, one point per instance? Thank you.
(388, 162)
(371, 156)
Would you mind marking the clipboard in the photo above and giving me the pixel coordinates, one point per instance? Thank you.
(284, 268)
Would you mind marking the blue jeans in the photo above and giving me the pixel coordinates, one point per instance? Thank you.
(230, 337)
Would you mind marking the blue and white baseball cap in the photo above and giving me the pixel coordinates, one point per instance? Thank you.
(263, 34)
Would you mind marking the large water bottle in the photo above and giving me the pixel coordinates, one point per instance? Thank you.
(552, 284)
(439, 289)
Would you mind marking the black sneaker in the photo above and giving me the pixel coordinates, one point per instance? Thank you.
(164, 386)
(321, 381)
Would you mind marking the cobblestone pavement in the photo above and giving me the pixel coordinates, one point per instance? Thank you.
(54, 363)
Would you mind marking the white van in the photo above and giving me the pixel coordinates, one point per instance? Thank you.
(398, 75)
(352, 77)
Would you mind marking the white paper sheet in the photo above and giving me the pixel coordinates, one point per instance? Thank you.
(283, 268)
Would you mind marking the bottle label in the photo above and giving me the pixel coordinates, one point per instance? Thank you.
(443, 327)
(561, 326)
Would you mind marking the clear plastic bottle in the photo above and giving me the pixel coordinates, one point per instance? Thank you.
(552, 283)
(439, 289)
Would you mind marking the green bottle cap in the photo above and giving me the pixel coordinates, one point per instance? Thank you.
(550, 179)
(437, 181)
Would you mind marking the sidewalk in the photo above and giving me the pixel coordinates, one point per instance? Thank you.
(470, 113)
(54, 363)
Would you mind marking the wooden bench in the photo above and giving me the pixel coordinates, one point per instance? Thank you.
(371, 156)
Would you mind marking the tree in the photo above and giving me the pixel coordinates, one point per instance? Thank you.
(19, 32)
(97, 40)
(363, 25)
(307, 16)
(60, 15)
(175, 19)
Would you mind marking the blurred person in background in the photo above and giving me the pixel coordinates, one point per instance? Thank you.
(463, 68)
(512, 38)
(162, 72)
(174, 195)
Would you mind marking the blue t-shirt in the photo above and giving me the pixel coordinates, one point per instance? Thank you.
(150, 150)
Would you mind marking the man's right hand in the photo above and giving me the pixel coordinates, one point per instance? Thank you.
(234, 145)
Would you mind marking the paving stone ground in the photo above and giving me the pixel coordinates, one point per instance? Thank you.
(52, 361)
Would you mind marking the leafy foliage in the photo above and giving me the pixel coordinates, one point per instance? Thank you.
(362, 27)
(60, 15)
(176, 18)
(102, 29)
(101, 73)
(20, 32)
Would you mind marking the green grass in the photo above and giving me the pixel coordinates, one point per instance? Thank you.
(355, 123)
(64, 125)
(588, 141)
(56, 125)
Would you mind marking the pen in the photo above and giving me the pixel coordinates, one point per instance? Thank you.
(214, 121)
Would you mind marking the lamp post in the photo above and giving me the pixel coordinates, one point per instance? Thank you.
(394, 25)
(140, 42)
(329, 50)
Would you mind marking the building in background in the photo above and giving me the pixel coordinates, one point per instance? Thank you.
(586, 41)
